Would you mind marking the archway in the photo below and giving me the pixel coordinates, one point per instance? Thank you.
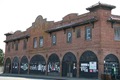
(7, 68)
(54, 65)
(111, 62)
(88, 65)
(69, 64)
(15, 65)
(37, 65)
(24, 65)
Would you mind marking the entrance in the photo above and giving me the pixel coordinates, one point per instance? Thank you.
(88, 65)
(24, 65)
(69, 64)
(37, 65)
(111, 62)
(54, 65)
(15, 65)
(7, 66)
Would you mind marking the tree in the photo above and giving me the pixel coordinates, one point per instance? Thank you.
(1, 57)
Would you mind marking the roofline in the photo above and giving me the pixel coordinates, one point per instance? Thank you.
(101, 5)
(73, 25)
(18, 38)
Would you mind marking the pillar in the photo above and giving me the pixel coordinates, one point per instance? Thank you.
(78, 69)
(46, 72)
(60, 68)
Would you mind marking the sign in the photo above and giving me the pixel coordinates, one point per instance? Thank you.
(84, 67)
(92, 65)
(24, 66)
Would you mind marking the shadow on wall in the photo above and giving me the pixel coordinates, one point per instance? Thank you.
(1, 69)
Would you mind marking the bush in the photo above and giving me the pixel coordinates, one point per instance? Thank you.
(1, 57)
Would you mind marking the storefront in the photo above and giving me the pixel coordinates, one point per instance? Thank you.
(24, 65)
(54, 65)
(111, 65)
(69, 64)
(88, 65)
(37, 65)
(7, 68)
(15, 65)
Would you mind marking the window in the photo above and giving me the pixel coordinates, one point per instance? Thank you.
(41, 41)
(16, 45)
(117, 33)
(12, 45)
(35, 42)
(24, 44)
(69, 36)
(88, 33)
(53, 39)
(8, 47)
(77, 33)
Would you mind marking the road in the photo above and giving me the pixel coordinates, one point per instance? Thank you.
(19, 78)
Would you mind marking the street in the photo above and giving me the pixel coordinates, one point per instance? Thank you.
(19, 78)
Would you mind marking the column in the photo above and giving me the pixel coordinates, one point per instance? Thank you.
(60, 68)
(28, 67)
(78, 69)
(46, 73)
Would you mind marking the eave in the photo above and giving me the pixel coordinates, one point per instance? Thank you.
(73, 25)
(17, 38)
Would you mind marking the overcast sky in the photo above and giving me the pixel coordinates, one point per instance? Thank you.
(19, 14)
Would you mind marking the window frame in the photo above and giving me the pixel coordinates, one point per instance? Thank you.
(8, 47)
(16, 45)
(53, 39)
(78, 33)
(35, 42)
(69, 41)
(41, 38)
(25, 44)
(86, 33)
(117, 33)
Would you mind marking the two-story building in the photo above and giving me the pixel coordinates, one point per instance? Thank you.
(84, 46)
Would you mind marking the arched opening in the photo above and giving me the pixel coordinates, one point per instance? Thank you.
(7, 68)
(88, 65)
(54, 65)
(69, 64)
(24, 65)
(111, 64)
(37, 65)
(15, 65)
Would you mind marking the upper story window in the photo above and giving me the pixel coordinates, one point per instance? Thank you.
(117, 33)
(16, 45)
(78, 33)
(8, 47)
(53, 39)
(88, 33)
(24, 43)
(41, 41)
(35, 42)
(12, 45)
(69, 36)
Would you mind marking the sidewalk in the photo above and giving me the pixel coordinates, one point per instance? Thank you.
(42, 76)
(47, 77)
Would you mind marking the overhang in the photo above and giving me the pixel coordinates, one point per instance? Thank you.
(73, 25)
(17, 38)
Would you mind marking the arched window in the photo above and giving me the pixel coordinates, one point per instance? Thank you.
(53, 65)
(69, 64)
(24, 65)
(88, 65)
(37, 65)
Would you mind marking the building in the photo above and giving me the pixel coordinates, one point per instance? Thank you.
(86, 45)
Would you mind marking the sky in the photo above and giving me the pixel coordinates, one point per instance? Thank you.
(20, 14)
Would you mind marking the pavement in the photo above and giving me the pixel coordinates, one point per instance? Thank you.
(44, 77)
